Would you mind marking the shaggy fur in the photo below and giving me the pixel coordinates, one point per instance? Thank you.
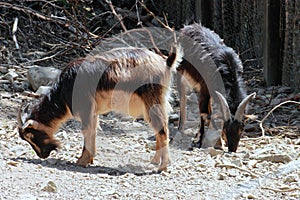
(228, 64)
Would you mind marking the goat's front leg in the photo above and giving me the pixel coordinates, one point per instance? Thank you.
(158, 119)
(89, 133)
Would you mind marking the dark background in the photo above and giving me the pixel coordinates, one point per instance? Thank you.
(264, 33)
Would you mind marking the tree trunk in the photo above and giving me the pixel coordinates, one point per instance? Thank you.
(291, 55)
(272, 43)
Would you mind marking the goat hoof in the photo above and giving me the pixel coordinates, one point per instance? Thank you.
(162, 169)
(85, 159)
(155, 160)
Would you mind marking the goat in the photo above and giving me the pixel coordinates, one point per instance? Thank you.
(230, 67)
(133, 81)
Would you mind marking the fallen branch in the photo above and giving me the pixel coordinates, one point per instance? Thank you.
(280, 190)
(236, 167)
(261, 122)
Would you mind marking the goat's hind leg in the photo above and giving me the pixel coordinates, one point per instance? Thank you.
(157, 117)
(204, 111)
(89, 127)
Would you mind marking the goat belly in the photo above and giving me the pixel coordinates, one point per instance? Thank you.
(121, 101)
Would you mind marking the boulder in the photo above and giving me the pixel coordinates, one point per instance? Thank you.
(42, 76)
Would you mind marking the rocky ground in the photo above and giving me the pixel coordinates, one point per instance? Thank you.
(263, 168)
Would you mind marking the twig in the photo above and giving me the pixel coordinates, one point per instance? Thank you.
(115, 13)
(236, 167)
(14, 30)
(261, 122)
(280, 190)
(30, 11)
(150, 37)
(46, 58)
(166, 26)
(137, 14)
(41, 16)
(154, 16)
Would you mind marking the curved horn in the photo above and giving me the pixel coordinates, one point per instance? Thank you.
(241, 108)
(224, 106)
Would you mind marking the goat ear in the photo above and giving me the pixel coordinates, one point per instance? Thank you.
(242, 107)
(224, 106)
(31, 124)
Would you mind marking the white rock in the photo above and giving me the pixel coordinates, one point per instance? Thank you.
(50, 187)
(42, 76)
(213, 152)
(277, 158)
(222, 176)
(211, 137)
(290, 167)
(18, 150)
(3, 70)
(43, 90)
(10, 75)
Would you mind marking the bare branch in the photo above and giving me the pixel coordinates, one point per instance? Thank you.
(116, 14)
(261, 122)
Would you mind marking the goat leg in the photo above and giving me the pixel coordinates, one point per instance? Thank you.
(89, 134)
(158, 119)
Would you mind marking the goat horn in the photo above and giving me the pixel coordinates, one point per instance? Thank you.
(241, 108)
(224, 106)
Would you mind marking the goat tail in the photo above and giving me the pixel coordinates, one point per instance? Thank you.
(174, 59)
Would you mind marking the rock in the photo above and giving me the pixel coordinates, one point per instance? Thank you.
(237, 162)
(151, 145)
(52, 161)
(12, 163)
(173, 118)
(3, 70)
(17, 87)
(251, 196)
(18, 150)
(50, 187)
(285, 89)
(43, 90)
(252, 164)
(126, 119)
(277, 158)
(211, 138)
(213, 152)
(42, 76)
(11, 75)
(137, 125)
(222, 176)
(290, 167)
(250, 128)
(291, 178)
(233, 172)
